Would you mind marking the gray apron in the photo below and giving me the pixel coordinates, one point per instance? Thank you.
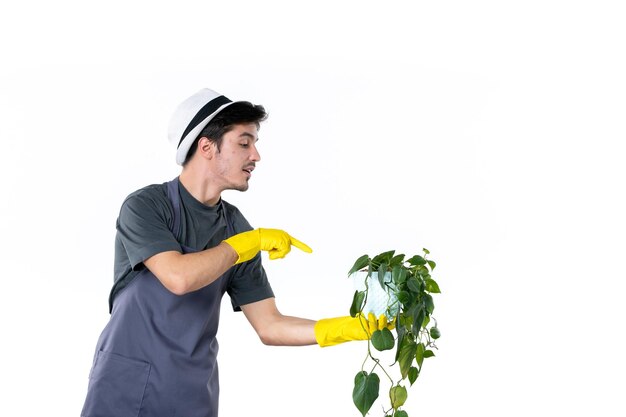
(157, 356)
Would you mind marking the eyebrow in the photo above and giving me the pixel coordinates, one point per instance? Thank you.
(249, 135)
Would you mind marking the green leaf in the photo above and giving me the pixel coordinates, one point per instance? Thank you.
(401, 335)
(428, 303)
(383, 257)
(397, 260)
(357, 303)
(359, 264)
(382, 270)
(387, 256)
(417, 260)
(401, 413)
(432, 264)
(395, 273)
(426, 251)
(418, 318)
(398, 396)
(428, 354)
(405, 322)
(383, 339)
(365, 391)
(419, 354)
(422, 271)
(431, 286)
(402, 276)
(413, 374)
(414, 285)
(404, 298)
(406, 356)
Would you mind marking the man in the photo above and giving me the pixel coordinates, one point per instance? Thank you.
(179, 247)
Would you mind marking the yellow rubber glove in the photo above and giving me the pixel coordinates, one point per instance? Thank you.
(330, 332)
(276, 242)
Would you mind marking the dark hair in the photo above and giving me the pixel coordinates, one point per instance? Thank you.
(242, 112)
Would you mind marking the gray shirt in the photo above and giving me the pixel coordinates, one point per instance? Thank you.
(143, 230)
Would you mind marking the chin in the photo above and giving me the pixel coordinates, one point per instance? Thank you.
(242, 187)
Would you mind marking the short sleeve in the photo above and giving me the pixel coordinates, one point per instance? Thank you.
(143, 229)
(249, 282)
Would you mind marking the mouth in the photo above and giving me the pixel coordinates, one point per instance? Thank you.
(248, 170)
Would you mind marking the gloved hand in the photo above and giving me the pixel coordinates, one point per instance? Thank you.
(276, 242)
(329, 332)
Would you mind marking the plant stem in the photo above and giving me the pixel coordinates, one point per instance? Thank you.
(375, 360)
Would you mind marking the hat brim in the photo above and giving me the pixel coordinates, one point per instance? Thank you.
(185, 144)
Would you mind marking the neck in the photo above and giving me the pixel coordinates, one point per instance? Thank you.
(199, 186)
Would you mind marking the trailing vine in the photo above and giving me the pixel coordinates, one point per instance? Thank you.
(412, 330)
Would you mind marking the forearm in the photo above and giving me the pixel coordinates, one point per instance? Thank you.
(289, 331)
(276, 329)
(184, 273)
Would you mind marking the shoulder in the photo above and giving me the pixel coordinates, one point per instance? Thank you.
(149, 192)
(154, 193)
(151, 199)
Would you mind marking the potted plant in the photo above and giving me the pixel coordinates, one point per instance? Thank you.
(400, 289)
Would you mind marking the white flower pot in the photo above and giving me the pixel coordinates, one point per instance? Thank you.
(380, 300)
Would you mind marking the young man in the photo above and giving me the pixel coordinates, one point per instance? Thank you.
(179, 247)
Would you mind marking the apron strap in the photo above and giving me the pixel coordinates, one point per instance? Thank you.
(174, 197)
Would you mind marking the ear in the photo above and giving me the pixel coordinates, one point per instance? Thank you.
(206, 148)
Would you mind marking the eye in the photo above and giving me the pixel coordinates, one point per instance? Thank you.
(244, 144)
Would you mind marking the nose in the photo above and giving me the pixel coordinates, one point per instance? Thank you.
(255, 155)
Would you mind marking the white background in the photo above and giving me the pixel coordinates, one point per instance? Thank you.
(489, 132)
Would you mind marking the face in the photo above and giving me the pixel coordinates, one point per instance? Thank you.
(235, 161)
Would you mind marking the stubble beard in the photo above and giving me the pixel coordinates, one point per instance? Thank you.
(242, 187)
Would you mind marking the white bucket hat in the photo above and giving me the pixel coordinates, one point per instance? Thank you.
(191, 116)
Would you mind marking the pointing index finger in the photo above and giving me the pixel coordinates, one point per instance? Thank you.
(300, 245)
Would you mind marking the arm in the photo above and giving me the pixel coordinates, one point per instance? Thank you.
(276, 329)
(184, 273)
(144, 232)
